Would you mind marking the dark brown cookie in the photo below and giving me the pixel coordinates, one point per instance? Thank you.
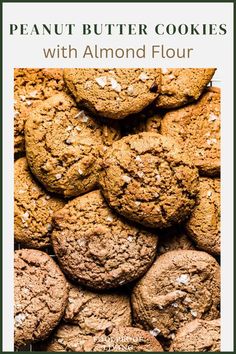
(41, 294)
(113, 93)
(32, 86)
(33, 208)
(197, 128)
(147, 178)
(64, 145)
(96, 247)
(198, 336)
(182, 85)
(204, 223)
(123, 339)
(180, 286)
(94, 312)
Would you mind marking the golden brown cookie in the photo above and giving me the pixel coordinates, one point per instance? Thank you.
(180, 286)
(98, 248)
(41, 294)
(31, 86)
(33, 208)
(123, 339)
(197, 128)
(198, 336)
(113, 93)
(94, 312)
(64, 145)
(182, 85)
(203, 226)
(148, 179)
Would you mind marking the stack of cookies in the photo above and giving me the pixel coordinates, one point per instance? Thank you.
(117, 210)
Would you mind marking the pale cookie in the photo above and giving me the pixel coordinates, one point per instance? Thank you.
(114, 93)
(64, 146)
(181, 86)
(148, 179)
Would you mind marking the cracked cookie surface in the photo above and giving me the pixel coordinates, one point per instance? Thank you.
(182, 85)
(203, 226)
(197, 128)
(113, 93)
(180, 286)
(148, 179)
(33, 208)
(64, 145)
(98, 248)
(94, 312)
(65, 338)
(198, 336)
(123, 339)
(31, 86)
(41, 292)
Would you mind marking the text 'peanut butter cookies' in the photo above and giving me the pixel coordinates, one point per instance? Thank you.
(64, 146)
(31, 86)
(33, 208)
(198, 336)
(94, 312)
(97, 248)
(197, 128)
(204, 222)
(180, 286)
(41, 294)
(113, 93)
(123, 339)
(181, 86)
(148, 179)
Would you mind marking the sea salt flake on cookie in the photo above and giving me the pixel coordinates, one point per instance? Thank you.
(213, 117)
(154, 332)
(33, 93)
(115, 85)
(130, 90)
(126, 178)
(58, 176)
(25, 216)
(143, 77)
(101, 81)
(183, 279)
(193, 313)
